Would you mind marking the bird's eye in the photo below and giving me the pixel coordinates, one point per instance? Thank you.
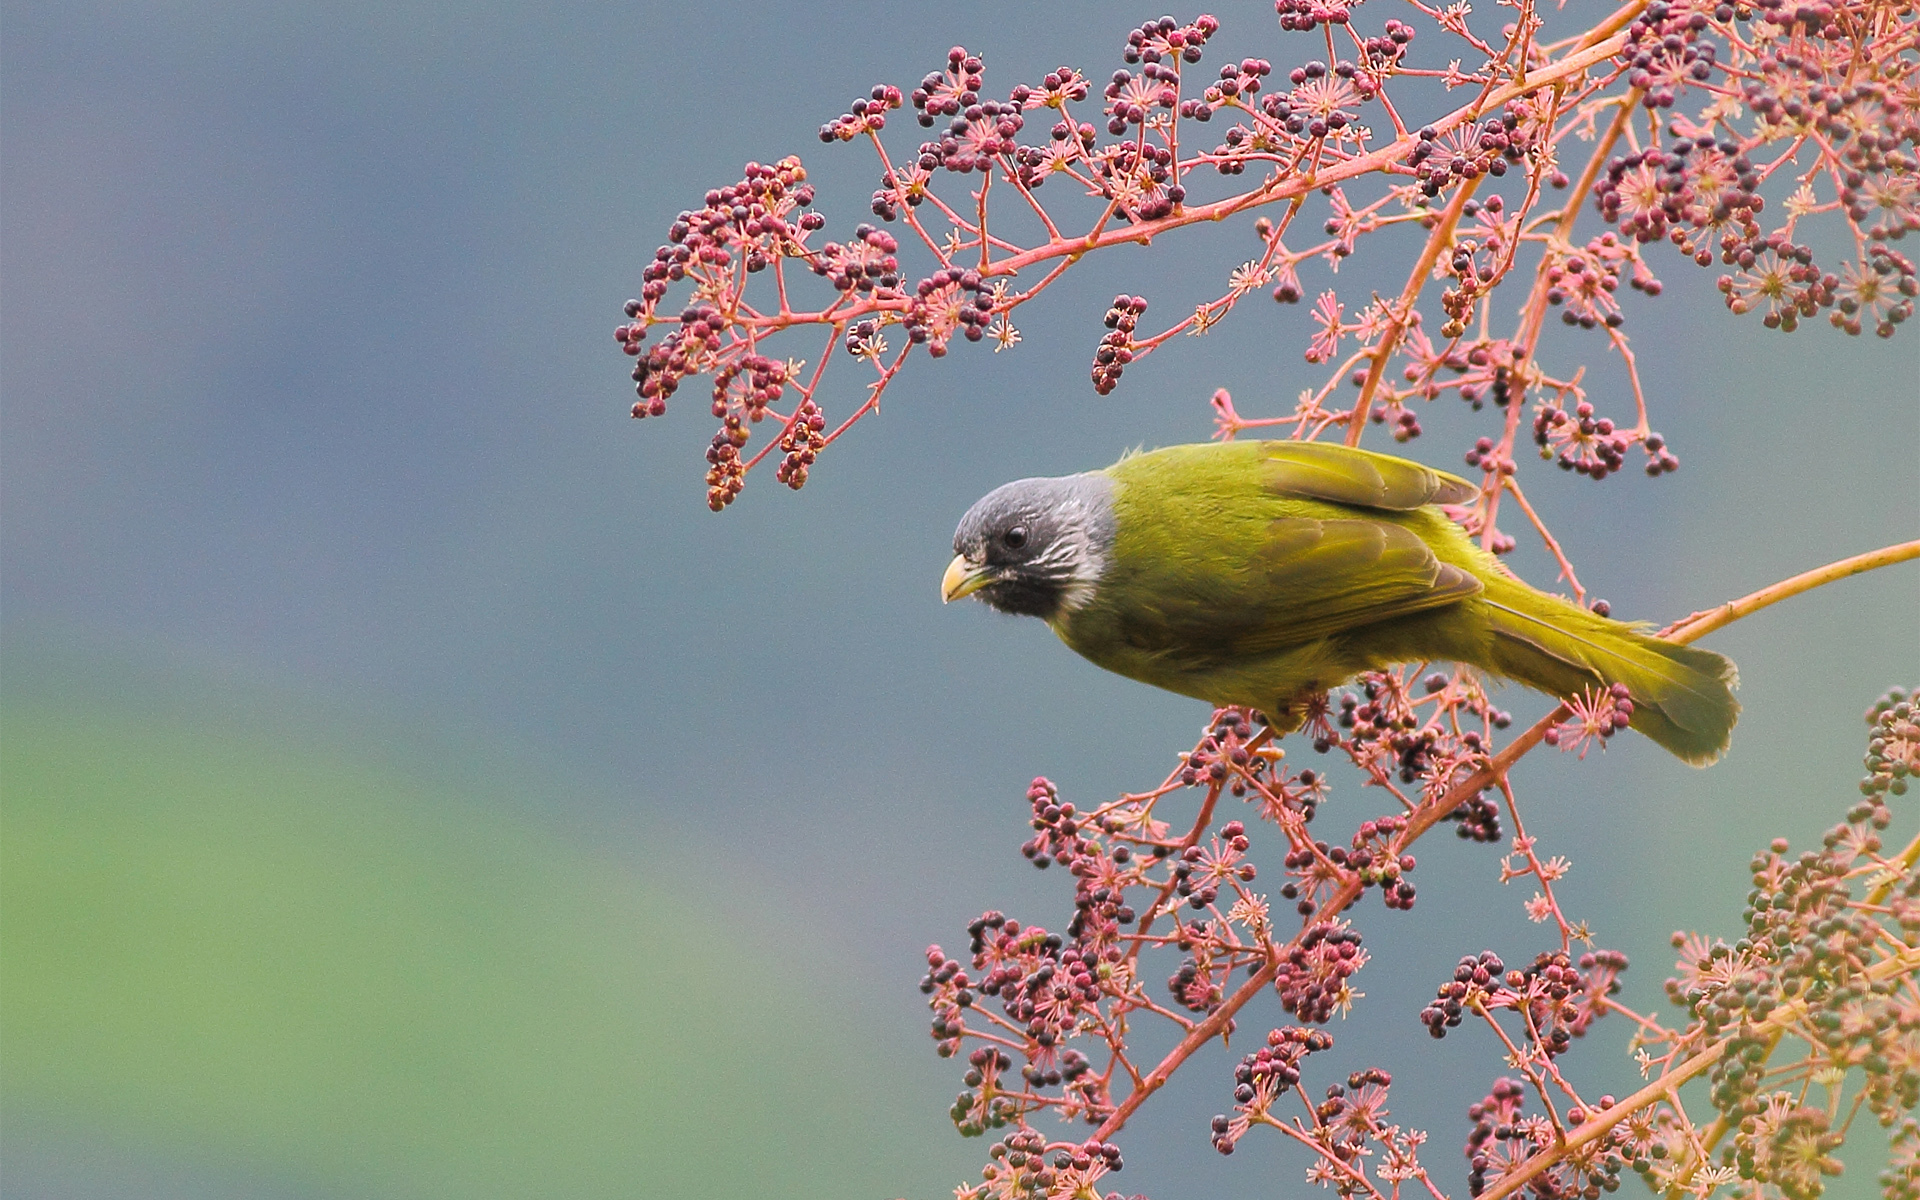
(1014, 538)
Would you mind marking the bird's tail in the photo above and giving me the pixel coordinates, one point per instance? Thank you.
(1682, 696)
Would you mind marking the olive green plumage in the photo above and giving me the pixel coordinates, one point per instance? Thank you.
(1258, 573)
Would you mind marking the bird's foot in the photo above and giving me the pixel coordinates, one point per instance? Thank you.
(1285, 718)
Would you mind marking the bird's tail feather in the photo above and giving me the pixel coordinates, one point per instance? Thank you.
(1682, 696)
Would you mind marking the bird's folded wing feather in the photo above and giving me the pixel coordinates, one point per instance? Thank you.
(1308, 578)
(1345, 475)
(1319, 577)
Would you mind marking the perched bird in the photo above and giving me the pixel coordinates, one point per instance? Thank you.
(1259, 573)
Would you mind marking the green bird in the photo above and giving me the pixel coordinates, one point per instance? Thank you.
(1259, 573)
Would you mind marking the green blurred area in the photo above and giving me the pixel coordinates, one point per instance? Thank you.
(341, 983)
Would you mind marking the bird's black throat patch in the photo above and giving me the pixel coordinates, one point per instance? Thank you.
(1026, 594)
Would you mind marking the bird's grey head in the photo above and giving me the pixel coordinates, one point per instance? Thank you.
(1034, 546)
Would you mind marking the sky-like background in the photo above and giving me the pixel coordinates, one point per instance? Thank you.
(327, 540)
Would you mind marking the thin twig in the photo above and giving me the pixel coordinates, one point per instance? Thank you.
(1702, 623)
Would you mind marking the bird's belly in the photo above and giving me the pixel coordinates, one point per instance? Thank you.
(1267, 681)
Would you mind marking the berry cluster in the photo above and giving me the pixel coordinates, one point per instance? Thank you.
(1158, 48)
(1782, 280)
(1551, 994)
(952, 991)
(950, 92)
(870, 261)
(976, 139)
(1039, 979)
(1389, 738)
(1813, 87)
(683, 352)
(1477, 820)
(1197, 874)
(1139, 179)
(1228, 752)
(1487, 458)
(1265, 1075)
(1901, 1179)
(1479, 257)
(1165, 40)
(982, 1107)
(1383, 52)
(1050, 989)
(948, 302)
(866, 115)
(748, 218)
(1347, 1129)
(1893, 747)
(1472, 984)
(744, 389)
(1312, 979)
(1195, 986)
(1581, 441)
(1663, 56)
(1376, 862)
(1372, 861)
(1813, 104)
(1349, 1118)
(1237, 84)
(1586, 282)
(1834, 971)
(1016, 1169)
(802, 441)
(1443, 160)
(1386, 726)
(746, 221)
(1116, 348)
(1594, 716)
(1483, 369)
(1697, 186)
(1324, 100)
(726, 472)
(1504, 1137)
(1557, 1000)
(1880, 290)
(1303, 16)
(1058, 824)
(1810, 944)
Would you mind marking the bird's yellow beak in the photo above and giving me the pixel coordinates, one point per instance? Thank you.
(963, 579)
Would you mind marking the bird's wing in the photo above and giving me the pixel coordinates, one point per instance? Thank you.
(1346, 475)
(1319, 576)
(1246, 551)
(1306, 578)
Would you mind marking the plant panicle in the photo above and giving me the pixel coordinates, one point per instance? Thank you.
(1740, 134)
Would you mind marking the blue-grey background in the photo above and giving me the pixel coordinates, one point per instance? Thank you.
(316, 451)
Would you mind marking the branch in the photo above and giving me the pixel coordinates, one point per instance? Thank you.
(1702, 623)
(1401, 315)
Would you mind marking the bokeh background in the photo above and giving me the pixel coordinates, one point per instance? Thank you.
(412, 790)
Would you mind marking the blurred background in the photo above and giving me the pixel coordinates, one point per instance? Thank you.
(412, 790)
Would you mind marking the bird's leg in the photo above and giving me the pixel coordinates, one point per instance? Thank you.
(1284, 718)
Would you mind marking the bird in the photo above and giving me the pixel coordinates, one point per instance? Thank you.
(1261, 573)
